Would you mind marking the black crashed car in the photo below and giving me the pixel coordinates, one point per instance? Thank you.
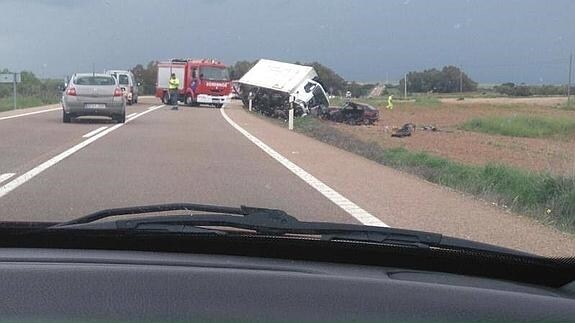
(353, 113)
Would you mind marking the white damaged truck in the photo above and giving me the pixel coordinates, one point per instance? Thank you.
(272, 85)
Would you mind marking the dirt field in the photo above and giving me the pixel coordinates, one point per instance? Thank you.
(553, 155)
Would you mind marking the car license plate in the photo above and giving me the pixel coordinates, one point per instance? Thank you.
(216, 100)
(94, 106)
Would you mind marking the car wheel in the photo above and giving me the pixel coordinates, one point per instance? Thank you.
(121, 118)
(219, 106)
(165, 98)
(66, 118)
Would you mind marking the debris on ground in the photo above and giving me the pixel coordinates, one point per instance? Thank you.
(404, 131)
(429, 128)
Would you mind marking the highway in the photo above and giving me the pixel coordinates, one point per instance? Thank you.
(51, 171)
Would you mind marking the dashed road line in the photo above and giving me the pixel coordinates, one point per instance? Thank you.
(10, 186)
(353, 209)
(6, 176)
(91, 133)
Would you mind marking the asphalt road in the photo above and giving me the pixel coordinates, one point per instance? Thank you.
(191, 155)
(51, 171)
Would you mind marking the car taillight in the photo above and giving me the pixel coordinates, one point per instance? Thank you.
(117, 92)
(71, 91)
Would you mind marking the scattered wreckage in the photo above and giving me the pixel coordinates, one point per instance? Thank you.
(407, 129)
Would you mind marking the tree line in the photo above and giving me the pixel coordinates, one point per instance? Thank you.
(512, 89)
(448, 79)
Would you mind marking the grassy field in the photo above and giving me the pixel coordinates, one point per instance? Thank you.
(522, 126)
(6, 103)
(550, 199)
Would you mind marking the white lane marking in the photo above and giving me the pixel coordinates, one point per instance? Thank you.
(91, 133)
(133, 116)
(6, 176)
(54, 160)
(353, 209)
(29, 113)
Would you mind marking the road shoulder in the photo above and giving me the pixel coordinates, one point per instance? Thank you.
(403, 200)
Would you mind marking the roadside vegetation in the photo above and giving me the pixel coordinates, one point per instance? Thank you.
(550, 199)
(523, 126)
(31, 92)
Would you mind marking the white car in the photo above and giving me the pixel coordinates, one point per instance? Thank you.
(128, 84)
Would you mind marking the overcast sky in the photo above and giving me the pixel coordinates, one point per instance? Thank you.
(493, 40)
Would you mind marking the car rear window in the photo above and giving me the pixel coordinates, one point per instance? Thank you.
(94, 80)
(123, 79)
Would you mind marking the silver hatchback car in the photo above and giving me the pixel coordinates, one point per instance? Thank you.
(93, 95)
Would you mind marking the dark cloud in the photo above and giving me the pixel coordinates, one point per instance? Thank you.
(495, 41)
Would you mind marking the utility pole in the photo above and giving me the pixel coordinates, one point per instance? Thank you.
(405, 87)
(460, 79)
(569, 83)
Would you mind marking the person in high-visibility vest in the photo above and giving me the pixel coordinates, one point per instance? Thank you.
(173, 86)
(390, 102)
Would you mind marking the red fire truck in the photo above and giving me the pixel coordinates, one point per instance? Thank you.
(202, 81)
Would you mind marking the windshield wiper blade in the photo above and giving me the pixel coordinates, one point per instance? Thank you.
(260, 220)
(268, 222)
(107, 213)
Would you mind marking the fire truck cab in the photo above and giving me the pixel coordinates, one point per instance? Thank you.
(204, 81)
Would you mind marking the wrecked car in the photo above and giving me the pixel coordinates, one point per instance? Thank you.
(352, 113)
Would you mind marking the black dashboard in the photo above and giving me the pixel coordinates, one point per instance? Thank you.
(38, 283)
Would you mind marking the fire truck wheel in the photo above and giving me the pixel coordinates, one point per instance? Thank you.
(189, 100)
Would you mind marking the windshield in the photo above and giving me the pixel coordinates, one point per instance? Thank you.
(214, 73)
(464, 124)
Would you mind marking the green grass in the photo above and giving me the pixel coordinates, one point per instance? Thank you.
(567, 105)
(526, 192)
(522, 126)
(7, 103)
(427, 101)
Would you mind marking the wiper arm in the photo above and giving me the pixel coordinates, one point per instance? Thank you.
(149, 209)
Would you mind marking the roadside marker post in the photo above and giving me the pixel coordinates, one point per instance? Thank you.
(290, 113)
(250, 97)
